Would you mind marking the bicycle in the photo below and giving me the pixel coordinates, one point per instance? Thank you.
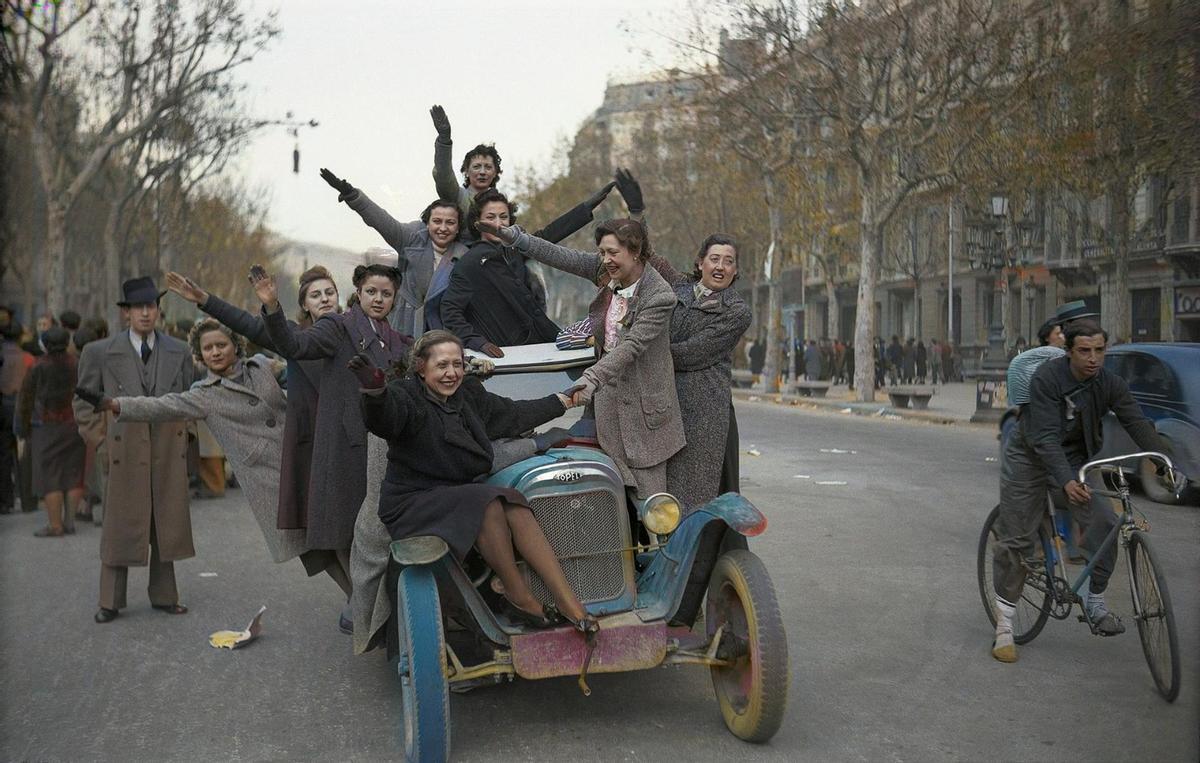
(1047, 592)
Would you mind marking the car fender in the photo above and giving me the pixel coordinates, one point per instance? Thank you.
(1184, 437)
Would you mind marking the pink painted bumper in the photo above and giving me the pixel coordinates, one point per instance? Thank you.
(621, 646)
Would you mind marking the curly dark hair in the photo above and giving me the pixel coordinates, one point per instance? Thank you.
(440, 203)
(363, 272)
(483, 149)
(630, 233)
(482, 199)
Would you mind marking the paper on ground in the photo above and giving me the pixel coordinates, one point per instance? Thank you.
(235, 639)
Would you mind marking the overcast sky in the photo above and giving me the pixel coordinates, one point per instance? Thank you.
(523, 74)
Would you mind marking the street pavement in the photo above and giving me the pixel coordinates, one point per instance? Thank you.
(873, 528)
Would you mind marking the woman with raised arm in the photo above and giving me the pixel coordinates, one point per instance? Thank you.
(317, 297)
(348, 465)
(439, 425)
(637, 417)
(244, 406)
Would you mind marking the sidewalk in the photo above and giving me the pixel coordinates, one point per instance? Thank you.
(952, 403)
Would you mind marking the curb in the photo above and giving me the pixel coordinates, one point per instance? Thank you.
(875, 409)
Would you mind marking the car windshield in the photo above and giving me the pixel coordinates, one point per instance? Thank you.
(534, 371)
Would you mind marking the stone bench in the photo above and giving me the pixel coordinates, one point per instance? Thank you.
(810, 388)
(918, 396)
(742, 378)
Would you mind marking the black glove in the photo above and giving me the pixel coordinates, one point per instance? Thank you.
(441, 123)
(594, 200)
(343, 187)
(551, 438)
(369, 375)
(94, 397)
(631, 192)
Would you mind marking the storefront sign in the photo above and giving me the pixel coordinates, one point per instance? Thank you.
(1187, 300)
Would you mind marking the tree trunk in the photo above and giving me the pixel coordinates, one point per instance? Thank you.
(772, 364)
(1119, 324)
(56, 256)
(833, 311)
(870, 248)
(112, 266)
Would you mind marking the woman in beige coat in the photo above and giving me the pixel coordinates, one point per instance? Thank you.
(631, 385)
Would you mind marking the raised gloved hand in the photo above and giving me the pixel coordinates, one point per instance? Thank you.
(369, 375)
(551, 438)
(343, 187)
(441, 123)
(594, 200)
(264, 287)
(630, 191)
(97, 400)
(481, 367)
(506, 234)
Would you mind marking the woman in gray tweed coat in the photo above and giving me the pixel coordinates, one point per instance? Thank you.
(243, 405)
(708, 320)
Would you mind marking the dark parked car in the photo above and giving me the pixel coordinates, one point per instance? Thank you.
(1164, 378)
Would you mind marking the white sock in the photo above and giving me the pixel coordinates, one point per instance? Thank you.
(1004, 615)
(1094, 602)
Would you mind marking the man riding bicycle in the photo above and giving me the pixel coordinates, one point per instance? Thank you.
(1060, 429)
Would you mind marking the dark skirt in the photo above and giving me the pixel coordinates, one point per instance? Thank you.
(58, 457)
(453, 513)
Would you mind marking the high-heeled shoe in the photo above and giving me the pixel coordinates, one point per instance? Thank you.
(549, 617)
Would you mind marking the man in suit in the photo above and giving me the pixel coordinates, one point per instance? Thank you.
(147, 521)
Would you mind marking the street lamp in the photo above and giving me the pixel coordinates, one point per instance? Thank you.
(987, 249)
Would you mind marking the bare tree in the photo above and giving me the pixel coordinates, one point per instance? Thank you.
(91, 96)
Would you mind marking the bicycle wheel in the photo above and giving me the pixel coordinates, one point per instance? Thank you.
(1155, 618)
(1033, 608)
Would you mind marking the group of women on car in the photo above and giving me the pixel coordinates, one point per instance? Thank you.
(384, 437)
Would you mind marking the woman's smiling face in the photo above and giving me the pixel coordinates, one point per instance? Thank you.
(442, 371)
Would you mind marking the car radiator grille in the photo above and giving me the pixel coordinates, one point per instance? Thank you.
(578, 524)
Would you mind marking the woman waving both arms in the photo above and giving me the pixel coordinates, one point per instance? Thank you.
(637, 417)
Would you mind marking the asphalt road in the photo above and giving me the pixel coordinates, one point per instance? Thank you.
(888, 640)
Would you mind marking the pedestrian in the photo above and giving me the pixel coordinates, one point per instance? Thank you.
(922, 357)
(758, 357)
(93, 438)
(839, 362)
(850, 364)
(13, 366)
(147, 519)
(908, 362)
(70, 320)
(812, 361)
(947, 361)
(45, 420)
(895, 360)
(706, 324)
(935, 361)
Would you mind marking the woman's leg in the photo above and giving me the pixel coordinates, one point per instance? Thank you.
(495, 543)
(529, 539)
(54, 508)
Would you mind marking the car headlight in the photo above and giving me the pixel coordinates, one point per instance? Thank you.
(661, 513)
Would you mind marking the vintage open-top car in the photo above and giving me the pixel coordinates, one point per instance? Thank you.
(641, 567)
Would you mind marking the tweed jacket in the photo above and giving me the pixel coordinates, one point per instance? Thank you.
(338, 479)
(147, 463)
(704, 333)
(247, 420)
(414, 248)
(303, 388)
(635, 401)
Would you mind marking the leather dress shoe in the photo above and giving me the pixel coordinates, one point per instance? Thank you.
(171, 609)
(106, 615)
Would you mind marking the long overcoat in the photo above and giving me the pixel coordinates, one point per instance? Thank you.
(247, 420)
(637, 411)
(414, 248)
(147, 463)
(338, 478)
(303, 389)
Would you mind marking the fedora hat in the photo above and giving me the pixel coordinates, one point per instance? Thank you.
(139, 291)
(1072, 311)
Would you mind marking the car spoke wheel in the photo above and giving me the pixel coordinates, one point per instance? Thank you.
(752, 691)
(1033, 607)
(422, 667)
(1155, 618)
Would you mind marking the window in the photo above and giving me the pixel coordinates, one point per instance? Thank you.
(1150, 377)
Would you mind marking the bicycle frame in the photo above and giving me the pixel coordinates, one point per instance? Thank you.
(1054, 547)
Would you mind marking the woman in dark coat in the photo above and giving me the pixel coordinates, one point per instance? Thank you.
(708, 320)
(439, 426)
(317, 297)
(338, 478)
(46, 419)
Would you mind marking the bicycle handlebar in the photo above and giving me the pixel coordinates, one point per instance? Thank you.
(1171, 470)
